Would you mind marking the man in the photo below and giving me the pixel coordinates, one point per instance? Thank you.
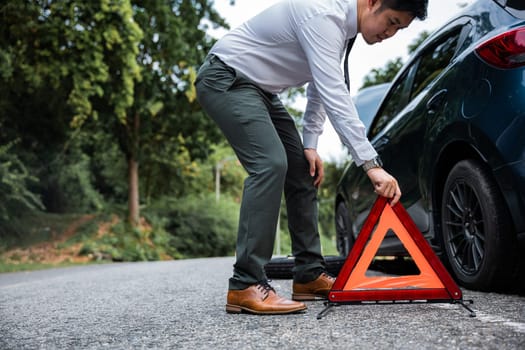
(290, 44)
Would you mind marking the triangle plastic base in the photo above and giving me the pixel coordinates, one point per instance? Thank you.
(433, 283)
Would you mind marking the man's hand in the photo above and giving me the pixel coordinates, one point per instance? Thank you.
(316, 165)
(384, 184)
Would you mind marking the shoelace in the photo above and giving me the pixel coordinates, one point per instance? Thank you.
(332, 278)
(265, 287)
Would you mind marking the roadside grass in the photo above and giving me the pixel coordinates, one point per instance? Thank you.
(328, 246)
(8, 266)
(41, 240)
(284, 247)
(33, 228)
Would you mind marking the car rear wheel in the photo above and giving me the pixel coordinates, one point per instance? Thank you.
(343, 230)
(477, 234)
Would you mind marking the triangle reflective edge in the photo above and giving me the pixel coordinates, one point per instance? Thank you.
(433, 283)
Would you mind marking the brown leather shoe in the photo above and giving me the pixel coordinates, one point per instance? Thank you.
(315, 290)
(261, 299)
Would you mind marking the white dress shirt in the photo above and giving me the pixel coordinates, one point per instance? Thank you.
(295, 42)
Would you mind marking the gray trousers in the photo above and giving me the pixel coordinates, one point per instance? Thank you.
(266, 142)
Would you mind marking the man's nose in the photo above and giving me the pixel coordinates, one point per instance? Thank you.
(390, 32)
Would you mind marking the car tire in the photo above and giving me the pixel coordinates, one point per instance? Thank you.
(477, 235)
(343, 230)
(282, 267)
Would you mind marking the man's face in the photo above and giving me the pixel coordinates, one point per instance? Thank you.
(379, 24)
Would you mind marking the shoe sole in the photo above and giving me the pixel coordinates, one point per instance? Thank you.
(236, 309)
(308, 297)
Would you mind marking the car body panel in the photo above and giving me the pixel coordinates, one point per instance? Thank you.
(442, 112)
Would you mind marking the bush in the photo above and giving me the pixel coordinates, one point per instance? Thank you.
(198, 226)
(68, 180)
(125, 243)
(15, 181)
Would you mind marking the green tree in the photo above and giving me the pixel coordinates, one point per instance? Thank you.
(15, 182)
(58, 60)
(165, 129)
(383, 75)
(418, 41)
(389, 71)
(327, 192)
(74, 48)
(114, 71)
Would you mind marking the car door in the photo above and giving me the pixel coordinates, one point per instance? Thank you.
(399, 128)
(361, 194)
(402, 142)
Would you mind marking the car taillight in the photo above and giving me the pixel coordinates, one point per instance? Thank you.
(506, 50)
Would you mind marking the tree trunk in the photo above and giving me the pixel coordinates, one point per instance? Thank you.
(133, 175)
(133, 193)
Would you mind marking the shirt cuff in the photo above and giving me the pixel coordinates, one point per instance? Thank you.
(310, 140)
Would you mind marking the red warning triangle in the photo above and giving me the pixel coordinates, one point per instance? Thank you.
(433, 283)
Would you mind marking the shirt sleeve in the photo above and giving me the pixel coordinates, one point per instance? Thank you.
(323, 44)
(314, 117)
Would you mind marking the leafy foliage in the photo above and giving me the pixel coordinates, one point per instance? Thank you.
(199, 226)
(418, 41)
(124, 243)
(88, 86)
(63, 62)
(333, 172)
(15, 182)
(129, 65)
(389, 71)
(383, 75)
(76, 48)
(173, 130)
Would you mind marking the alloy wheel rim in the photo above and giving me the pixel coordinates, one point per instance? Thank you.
(464, 225)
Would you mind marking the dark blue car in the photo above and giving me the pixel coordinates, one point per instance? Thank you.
(451, 129)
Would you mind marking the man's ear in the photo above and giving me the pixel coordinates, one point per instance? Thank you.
(371, 3)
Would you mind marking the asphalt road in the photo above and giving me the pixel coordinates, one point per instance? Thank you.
(180, 305)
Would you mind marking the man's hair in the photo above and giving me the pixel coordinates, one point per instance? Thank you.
(417, 7)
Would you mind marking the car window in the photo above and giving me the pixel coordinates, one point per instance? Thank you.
(433, 61)
(417, 77)
(394, 102)
(515, 7)
(367, 102)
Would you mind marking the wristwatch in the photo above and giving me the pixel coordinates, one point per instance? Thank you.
(374, 163)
